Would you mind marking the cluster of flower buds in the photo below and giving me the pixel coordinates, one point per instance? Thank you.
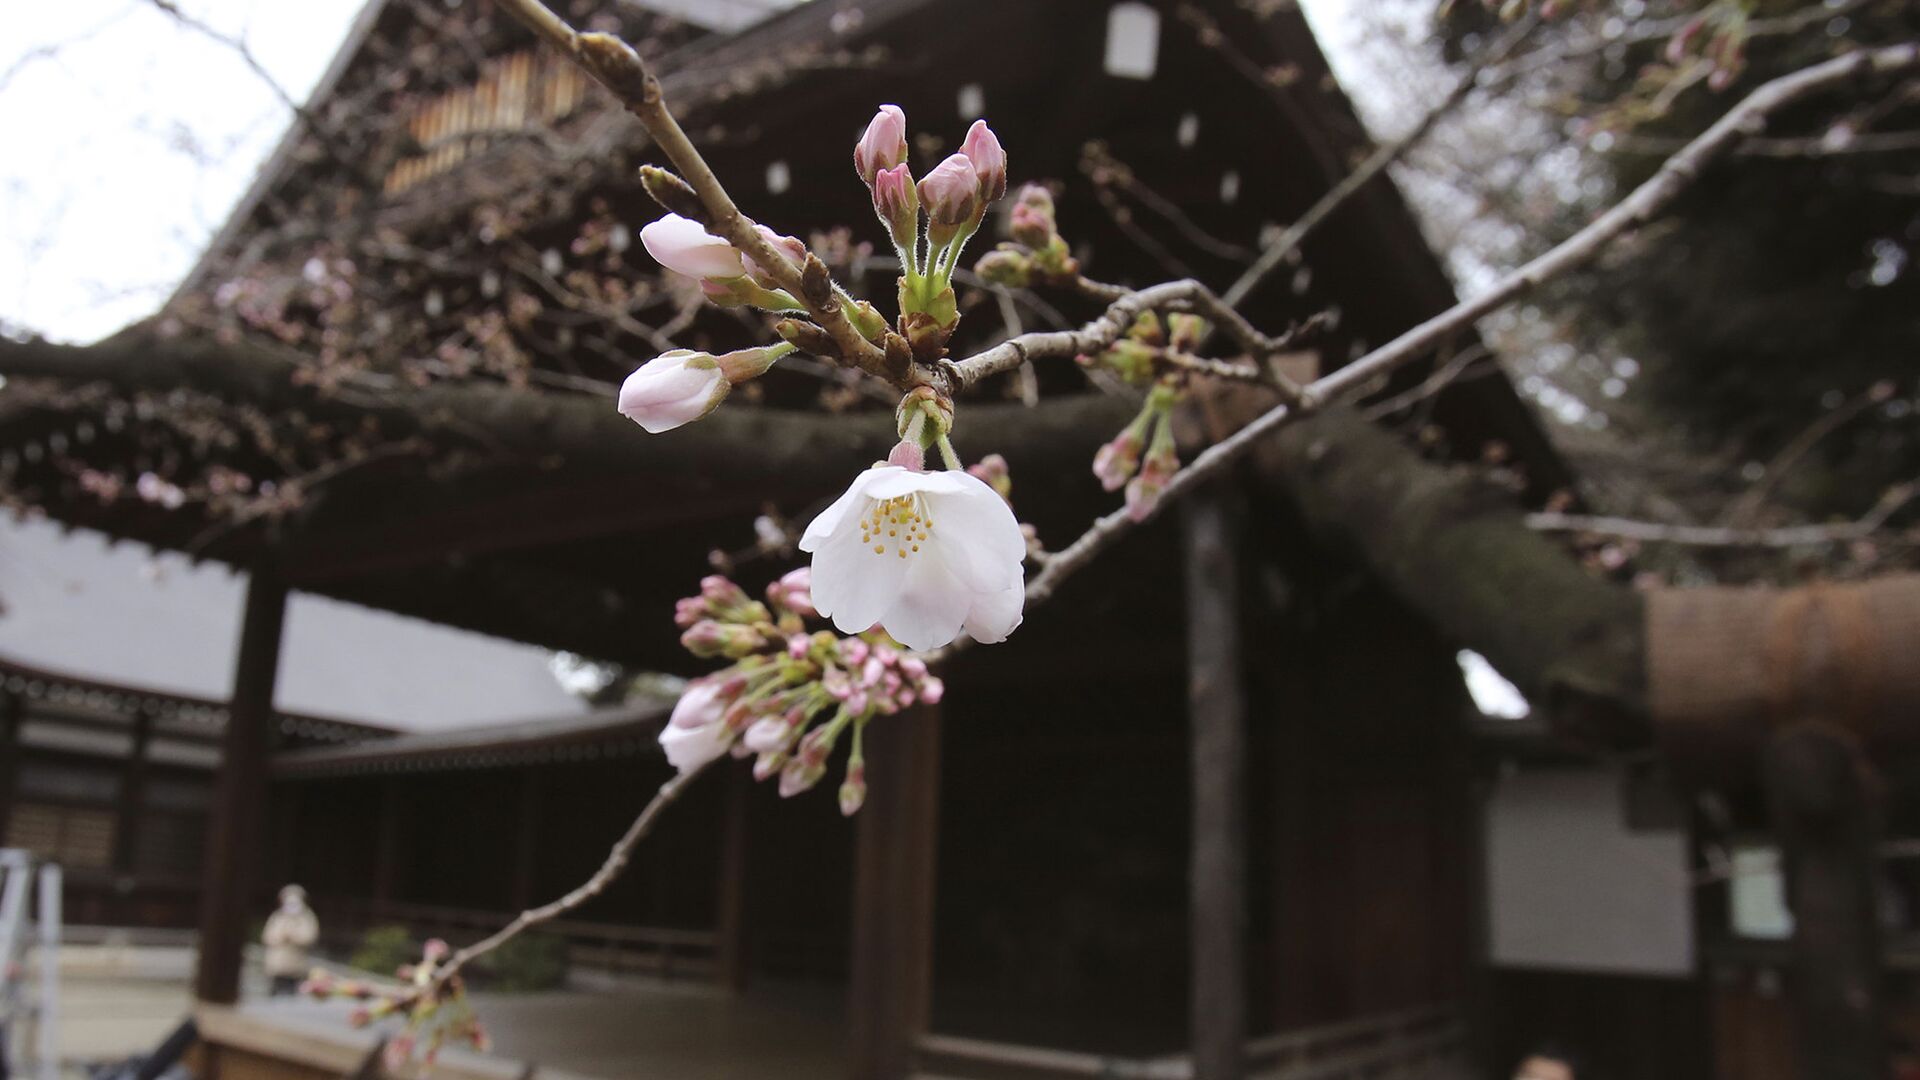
(954, 198)
(1717, 37)
(436, 1016)
(1038, 253)
(782, 680)
(1143, 457)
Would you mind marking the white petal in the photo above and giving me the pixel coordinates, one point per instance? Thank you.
(689, 748)
(981, 521)
(683, 244)
(829, 519)
(995, 615)
(854, 584)
(931, 605)
(892, 481)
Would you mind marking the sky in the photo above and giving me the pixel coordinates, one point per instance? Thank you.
(125, 138)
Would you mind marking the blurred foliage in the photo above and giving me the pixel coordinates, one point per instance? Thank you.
(383, 950)
(531, 961)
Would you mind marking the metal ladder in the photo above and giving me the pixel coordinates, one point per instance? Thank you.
(18, 873)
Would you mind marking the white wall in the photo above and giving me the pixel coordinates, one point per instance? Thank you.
(1569, 888)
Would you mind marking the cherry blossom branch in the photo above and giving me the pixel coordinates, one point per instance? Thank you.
(1185, 295)
(615, 65)
(1642, 205)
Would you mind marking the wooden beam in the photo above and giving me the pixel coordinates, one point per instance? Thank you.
(1826, 805)
(730, 923)
(889, 996)
(1217, 719)
(236, 839)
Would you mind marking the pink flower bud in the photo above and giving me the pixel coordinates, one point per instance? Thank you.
(689, 610)
(799, 775)
(1116, 461)
(951, 192)
(871, 671)
(690, 748)
(982, 147)
(435, 950)
(788, 248)
(797, 596)
(915, 667)
(684, 245)
(767, 764)
(884, 144)
(700, 704)
(853, 792)
(854, 651)
(908, 455)
(896, 200)
(399, 1050)
(721, 593)
(1033, 216)
(767, 735)
(932, 690)
(672, 389)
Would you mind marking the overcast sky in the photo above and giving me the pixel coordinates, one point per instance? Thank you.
(127, 139)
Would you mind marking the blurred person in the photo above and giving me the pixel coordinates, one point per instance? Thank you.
(291, 930)
(1548, 1063)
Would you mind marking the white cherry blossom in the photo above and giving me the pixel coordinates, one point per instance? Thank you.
(921, 554)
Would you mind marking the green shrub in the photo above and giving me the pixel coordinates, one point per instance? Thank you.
(383, 949)
(532, 961)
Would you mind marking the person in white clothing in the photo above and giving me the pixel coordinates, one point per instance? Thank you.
(291, 931)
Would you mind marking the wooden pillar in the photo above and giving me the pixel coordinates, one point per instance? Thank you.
(12, 715)
(730, 920)
(1217, 716)
(889, 996)
(133, 794)
(1826, 808)
(526, 836)
(235, 841)
(386, 848)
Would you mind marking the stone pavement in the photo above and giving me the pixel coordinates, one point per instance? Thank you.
(117, 1001)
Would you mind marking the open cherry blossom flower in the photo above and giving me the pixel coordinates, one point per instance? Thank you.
(684, 245)
(921, 554)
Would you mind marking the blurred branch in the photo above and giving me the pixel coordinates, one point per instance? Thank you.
(1748, 504)
(1729, 536)
(1376, 163)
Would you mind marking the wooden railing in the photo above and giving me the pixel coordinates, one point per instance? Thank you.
(1369, 1046)
(615, 948)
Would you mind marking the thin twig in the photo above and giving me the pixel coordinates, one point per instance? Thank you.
(615, 864)
(1377, 162)
(1789, 536)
